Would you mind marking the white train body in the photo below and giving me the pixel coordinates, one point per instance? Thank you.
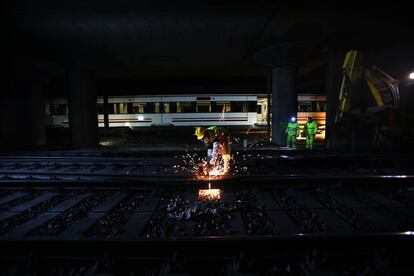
(189, 110)
(177, 110)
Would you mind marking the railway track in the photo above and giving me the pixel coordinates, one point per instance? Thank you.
(280, 214)
(287, 227)
(178, 167)
(278, 209)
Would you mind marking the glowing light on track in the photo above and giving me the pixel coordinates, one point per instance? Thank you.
(209, 194)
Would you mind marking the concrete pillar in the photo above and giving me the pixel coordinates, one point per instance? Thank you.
(22, 122)
(106, 111)
(11, 122)
(284, 101)
(269, 95)
(82, 108)
(35, 118)
(335, 136)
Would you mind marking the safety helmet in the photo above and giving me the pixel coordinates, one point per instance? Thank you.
(199, 132)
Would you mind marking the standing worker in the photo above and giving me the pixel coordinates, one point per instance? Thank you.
(217, 141)
(292, 131)
(310, 129)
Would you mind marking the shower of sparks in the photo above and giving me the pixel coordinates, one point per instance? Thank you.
(194, 165)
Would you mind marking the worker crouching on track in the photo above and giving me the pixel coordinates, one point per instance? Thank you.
(309, 131)
(217, 141)
(292, 131)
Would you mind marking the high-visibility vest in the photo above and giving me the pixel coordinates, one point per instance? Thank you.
(292, 129)
(221, 135)
(311, 128)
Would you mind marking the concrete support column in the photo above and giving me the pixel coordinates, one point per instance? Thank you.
(22, 122)
(284, 101)
(269, 96)
(334, 135)
(106, 111)
(35, 117)
(82, 108)
(11, 122)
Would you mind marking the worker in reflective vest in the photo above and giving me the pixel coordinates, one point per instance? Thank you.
(309, 131)
(292, 131)
(217, 141)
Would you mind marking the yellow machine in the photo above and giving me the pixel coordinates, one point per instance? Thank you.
(383, 88)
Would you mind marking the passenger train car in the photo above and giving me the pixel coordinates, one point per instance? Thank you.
(189, 110)
(185, 110)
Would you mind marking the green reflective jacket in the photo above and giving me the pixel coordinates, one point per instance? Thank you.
(292, 129)
(221, 135)
(310, 128)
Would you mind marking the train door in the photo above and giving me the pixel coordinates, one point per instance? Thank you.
(261, 111)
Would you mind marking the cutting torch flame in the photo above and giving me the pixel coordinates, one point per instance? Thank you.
(209, 173)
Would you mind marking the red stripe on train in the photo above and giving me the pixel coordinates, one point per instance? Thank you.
(126, 121)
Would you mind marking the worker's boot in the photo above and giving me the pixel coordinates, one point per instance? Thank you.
(294, 143)
(308, 142)
(311, 141)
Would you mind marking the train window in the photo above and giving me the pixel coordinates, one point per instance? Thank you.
(314, 106)
(251, 106)
(170, 107)
(58, 109)
(121, 108)
(145, 108)
(186, 107)
(116, 108)
(156, 107)
(130, 108)
(321, 106)
(111, 108)
(238, 107)
(138, 107)
(149, 108)
(259, 109)
(213, 107)
(100, 108)
(305, 107)
(203, 107)
(221, 107)
(47, 110)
